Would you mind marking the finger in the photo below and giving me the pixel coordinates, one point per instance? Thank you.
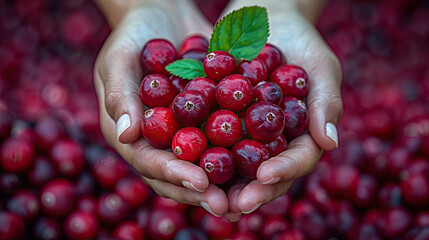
(256, 194)
(213, 200)
(298, 160)
(234, 213)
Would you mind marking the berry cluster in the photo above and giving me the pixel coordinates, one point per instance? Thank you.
(240, 115)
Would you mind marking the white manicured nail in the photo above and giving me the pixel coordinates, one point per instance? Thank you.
(331, 132)
(191, 186)
(124, 122)
(254, 209)
(207, 208)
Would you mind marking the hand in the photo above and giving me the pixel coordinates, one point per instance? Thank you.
(302, 45)
(117, 76)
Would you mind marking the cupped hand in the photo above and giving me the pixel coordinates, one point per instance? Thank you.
(117, 77)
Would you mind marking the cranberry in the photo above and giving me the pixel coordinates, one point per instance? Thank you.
(254, 70)
(415, 190)
(422, 219)
(252, 222)
(159, 126)
(290, 235)
(195, 54)
(156, 90)
(189, 144)
(68, 157)
(109, 170)
(312, 226)
(111, 208)
(179, 84)
(47, 228)
(5, 124)
(248, 156)
(191, 233)
(12, 226)
(277, 146)
(142, 218)
(48, 130)
(268, 91)
(194, 42)
(128, 230)
(234, 93)
(279, 206)
(218, 163)
(9, 183)
(16, 155)
(206, 87)
(168, 204)
(25, 204)
(273, 226)
(379, 123)
(41, 173)
(85, 184)
(223, 128)
(394, 222)
(272, 57)
(244, 236)
(364, 231)
(156, 54)
(81, 225)
(218, 64)
(244, 132)
(57, 197)
(397, 160)
(134, 192)
(292, 80)
(190, 108)
(264, 121)
(365, 191)
(389, 195)
(164, 224)
(418, 234)
(296, 117)
(341, 180)
(217, 227)
(341, 217)
(87, 204)
(302, 208)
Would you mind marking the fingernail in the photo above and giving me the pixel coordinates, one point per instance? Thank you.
(207, 208)
(254, 209)
(272, 180)
(191, 186)
(233, 217)
(124, 122)
(331, 132)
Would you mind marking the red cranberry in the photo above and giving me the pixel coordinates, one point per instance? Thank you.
(191, 233)
(87, 204)
(340, 217)
(111, 208)
(341, 180)
(415, 190)
(244, 236)
(302, 208)
(5, 124)
(194, 42)
(85, 184)
(296, 117)
(134, 192)
(128, 230)
(397, 160)
(252, 222)
(218, 163)
(272, 57)
(371, 216)
(159, 126)
(164, 224)
(190, 108)
(234, 93)
(9, 183)
(17, 155)
(379, 123)
(418, 234)
(218, 64)
(312, 226)
(25, 204)
(179, 84)
(268, 91)
(206, 87)
(364, 231)
(365, 191)
(290, 235)
(217, 227)
(244, 132)
(41, 173)
(223, 128)
(57, 197)
(389, 195)
(68, 157)
(248, 155)
(422, 219)
(156, 54)
(81, 225)
(277, 146)
(394, 222)
(189, 144)
(195, 54)
(47, 228)
(292, 80)
(109, 170)
(156, 90)
(142, 218)
(48, 130)
(264, 121)
(255, 70)
(12, 226)
(273, 226)
(279, 206)
(168, 204)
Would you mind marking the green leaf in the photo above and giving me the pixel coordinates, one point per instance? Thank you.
(243, 33)
(186, 69)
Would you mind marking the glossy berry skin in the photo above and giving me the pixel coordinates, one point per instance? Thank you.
(415, 190)
(218, 163)
(128, 230)
(218, 64)
(234, 93)
(296, 117)
(81, 225)
(12, 226)
(394, 222)
(194, 42)
(248, 156)
(179, 84)
(134, 192)
(195, 54)
(206, 87)
(57, 198)
(254, 70)
(108, 170)
(159, 126)
(68, 157)
(264, 121)
(272, 57)
(189, 144)
(156, 90)
(292, 80)
(269, 92)
(274, 225)
(156, 54)
(190, 108)
(244, 132)
(223, 128)
(217, 227)
(164, 224)
(25, 204)
(277, 146)
(16, 155)
(365, 190)
(111, 208)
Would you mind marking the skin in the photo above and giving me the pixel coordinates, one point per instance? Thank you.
(118, 74)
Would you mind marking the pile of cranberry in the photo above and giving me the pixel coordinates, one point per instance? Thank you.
(232, 119)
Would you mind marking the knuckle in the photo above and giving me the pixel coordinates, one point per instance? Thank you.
(113, 97)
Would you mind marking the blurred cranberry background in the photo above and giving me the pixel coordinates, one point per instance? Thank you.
(58, 178)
